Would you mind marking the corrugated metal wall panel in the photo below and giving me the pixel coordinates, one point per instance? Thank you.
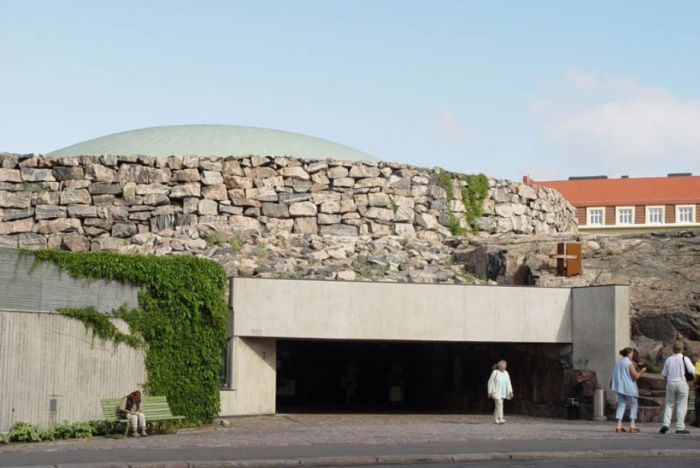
(46, 288)
(46, 356)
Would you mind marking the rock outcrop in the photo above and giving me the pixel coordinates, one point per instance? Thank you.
(662, 270)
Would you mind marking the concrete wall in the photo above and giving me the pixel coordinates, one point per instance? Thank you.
(601, 327)
(45, 356)
(253, 388)
(394, 311)
(46, 288)
(594, 319)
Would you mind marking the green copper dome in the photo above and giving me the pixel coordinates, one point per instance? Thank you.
(213, 140)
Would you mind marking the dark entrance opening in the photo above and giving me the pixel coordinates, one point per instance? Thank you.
(360, 376)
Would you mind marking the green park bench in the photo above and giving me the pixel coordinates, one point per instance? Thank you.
(155, 409)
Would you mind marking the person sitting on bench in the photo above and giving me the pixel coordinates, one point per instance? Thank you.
(130, 409)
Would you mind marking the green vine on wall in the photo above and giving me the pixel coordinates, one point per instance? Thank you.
(101, 326)
(181, 317)
(474, 188)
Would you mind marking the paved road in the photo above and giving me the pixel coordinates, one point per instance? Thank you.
(358, 438)
(680, 462)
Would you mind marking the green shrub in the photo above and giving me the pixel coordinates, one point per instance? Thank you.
(47, 435)
(101, 427)
(24, 432)
(82, 430)
(181, 318)
(4, 438)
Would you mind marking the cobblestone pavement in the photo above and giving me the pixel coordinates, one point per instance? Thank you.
(307, 430)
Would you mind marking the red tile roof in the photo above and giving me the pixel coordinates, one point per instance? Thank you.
(677, 190)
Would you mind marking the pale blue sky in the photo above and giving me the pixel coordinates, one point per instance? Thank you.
(548, 88)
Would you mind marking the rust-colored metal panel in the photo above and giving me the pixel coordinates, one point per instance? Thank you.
(568, 258)
(573, 258)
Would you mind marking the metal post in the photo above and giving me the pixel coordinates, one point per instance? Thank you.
(599, 405)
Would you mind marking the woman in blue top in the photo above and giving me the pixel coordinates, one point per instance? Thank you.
(624, 384)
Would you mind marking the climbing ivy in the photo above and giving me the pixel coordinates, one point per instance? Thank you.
(474, 188)
(101, 326)
(181, 317)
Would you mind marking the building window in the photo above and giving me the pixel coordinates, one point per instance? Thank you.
(625, 215)
(685, 214)
(596, 216)
(655, 215)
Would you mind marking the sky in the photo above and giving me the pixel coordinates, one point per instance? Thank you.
(548, 89)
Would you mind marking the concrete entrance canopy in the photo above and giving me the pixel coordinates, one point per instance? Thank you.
(595, 320)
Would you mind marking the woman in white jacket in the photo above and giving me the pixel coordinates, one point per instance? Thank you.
(500, 389)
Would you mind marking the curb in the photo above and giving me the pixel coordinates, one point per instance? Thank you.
(402, 459)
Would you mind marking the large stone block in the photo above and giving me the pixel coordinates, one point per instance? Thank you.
(162, 222)
(58, 225)
(275, 210)
(244, 223)
(370, 182)
(15, 199)
(287, 198)
(330, 207)
(13, 227)
(149, 189)
(212, 178)
(13, 214)
(344, 182)
(100, 173)
(527, 192)
(10, 175)
(75, 242)
(82, 211)
(67, 172)
(30, 174)
(234, 182)
(302, 209)
(295, 171)
(104, 188)
(383, 214)
(75, 197)
(133, 173)
(427, 221)
(306, 225)
(364, 171)
(186, 175)
(325, 218)
(208, 207)
(338, 172)
(232, 167)
(262, 194)
(379, 199)
(124, 230)
(186, 190)
(404, 230)
(215, 192)
(279, 224)
(339, 230)
(260, 172)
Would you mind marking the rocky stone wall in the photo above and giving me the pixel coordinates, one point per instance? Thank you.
(108, 202)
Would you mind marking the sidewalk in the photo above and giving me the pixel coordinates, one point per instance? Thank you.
(361, 439)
